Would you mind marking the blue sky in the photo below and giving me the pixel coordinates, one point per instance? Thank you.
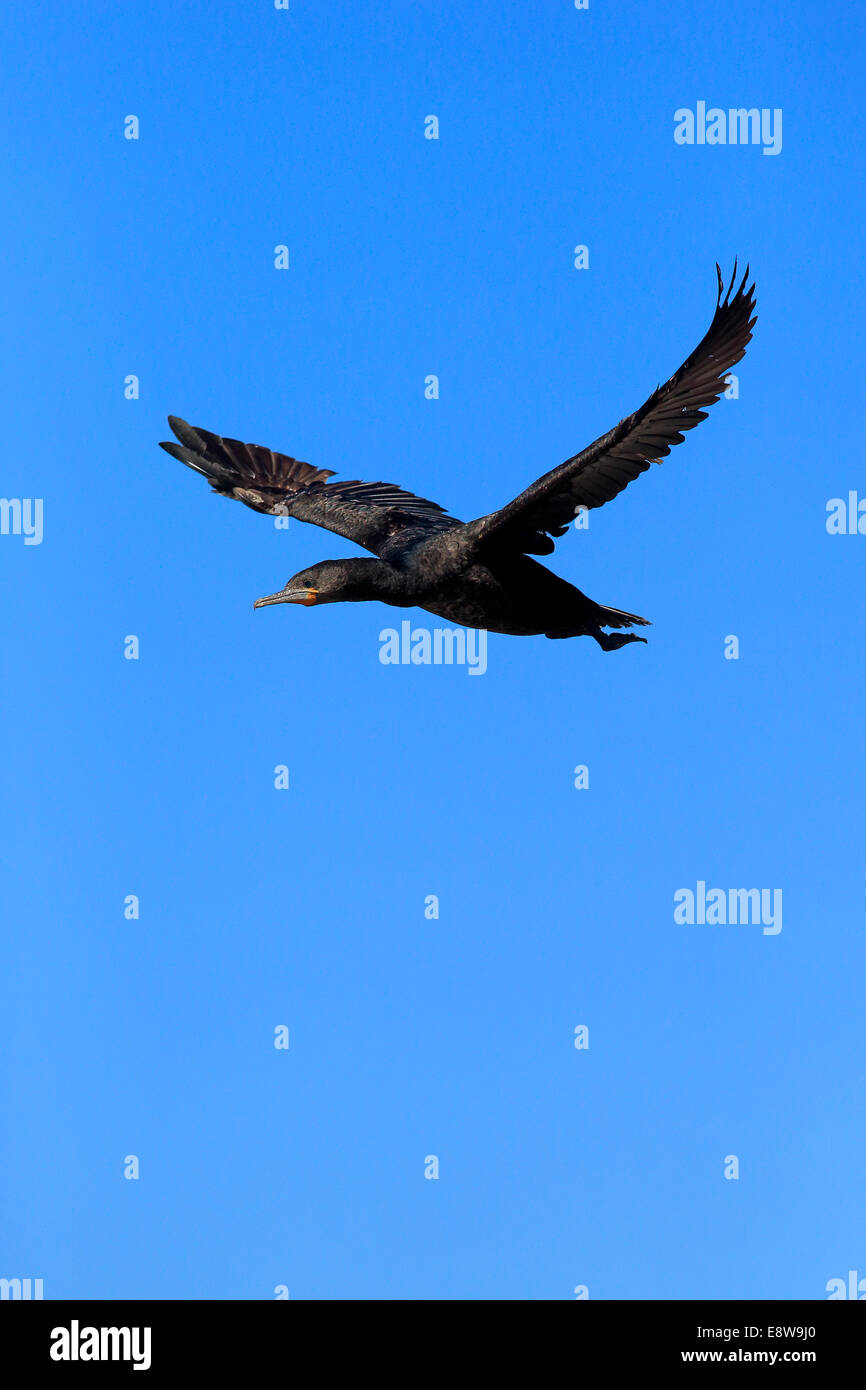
(454, 1037)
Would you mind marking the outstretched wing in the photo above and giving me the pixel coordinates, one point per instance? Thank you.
(597, 474)
(370, 514)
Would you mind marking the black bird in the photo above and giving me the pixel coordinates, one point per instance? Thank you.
(477, 574)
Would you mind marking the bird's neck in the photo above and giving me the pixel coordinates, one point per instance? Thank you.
(376, 579)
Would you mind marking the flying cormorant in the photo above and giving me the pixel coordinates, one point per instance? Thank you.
(477, 574)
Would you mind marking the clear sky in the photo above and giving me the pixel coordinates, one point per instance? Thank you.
(413, 1036)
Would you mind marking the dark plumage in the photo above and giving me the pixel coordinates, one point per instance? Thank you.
(477, 574)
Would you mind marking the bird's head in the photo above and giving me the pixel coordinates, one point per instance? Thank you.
(331, 581)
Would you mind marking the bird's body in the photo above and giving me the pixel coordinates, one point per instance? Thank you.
(511, 594)
(479, 574)
(515, 596)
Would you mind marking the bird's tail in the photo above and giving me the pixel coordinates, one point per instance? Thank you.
(616, 617)
(591, 620)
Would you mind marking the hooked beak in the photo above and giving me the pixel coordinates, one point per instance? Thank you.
(305, 596)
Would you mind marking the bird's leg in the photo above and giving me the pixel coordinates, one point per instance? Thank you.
(612, 641)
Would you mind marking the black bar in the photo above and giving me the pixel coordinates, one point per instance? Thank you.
(213, 1339)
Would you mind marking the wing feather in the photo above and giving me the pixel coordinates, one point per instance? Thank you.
(596, 475)
(370, 514)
